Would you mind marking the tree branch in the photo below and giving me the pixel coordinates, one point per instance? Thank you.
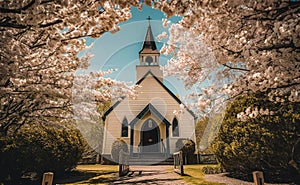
(280, 46)
(19, 10)
(231, 51)
(292, 162)
(274, 14)
(7, 24)
(46, 1)
(51, 23)
(236, 68)
(12, 25)
(68, 39)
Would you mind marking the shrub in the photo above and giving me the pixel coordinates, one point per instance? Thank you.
(116, 147)
(38, 149)
(212, 169)
(263, 143)
(187, 146)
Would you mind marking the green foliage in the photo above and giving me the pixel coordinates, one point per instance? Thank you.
(37, 149)
(206, 131)
(263, 143)
(187, 146)
(93, 135)
(199, 130)
(92, 131)
(212, 169)
(116, 147)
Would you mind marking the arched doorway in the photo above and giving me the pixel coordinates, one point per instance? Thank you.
(150, 137)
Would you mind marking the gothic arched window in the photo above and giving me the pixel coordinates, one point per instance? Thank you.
(124, 132)
(175, 128)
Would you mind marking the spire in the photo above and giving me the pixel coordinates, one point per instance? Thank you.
(149, 57)
(149, 18)
(149, 42)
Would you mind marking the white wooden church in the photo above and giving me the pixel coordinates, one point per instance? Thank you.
(148, 123)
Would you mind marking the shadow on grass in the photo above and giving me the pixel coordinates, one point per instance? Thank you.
(78, 176)
(106, 177)
(148, 181)
(100, 180)
(66, 178)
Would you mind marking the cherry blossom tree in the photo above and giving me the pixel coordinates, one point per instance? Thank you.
(40, 45)
(221, 39)
(248, 46)
(256, 46)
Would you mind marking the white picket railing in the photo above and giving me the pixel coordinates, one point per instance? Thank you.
(178, 163)
(123, 163)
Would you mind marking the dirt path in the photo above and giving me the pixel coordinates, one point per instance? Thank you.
(222, 178)
(151, 175)
(102, 174)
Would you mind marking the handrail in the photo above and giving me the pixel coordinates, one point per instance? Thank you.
(123, 163)
(163, 148)
(178, 163)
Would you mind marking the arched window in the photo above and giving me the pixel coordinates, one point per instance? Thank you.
(124, 132)
(175, 128)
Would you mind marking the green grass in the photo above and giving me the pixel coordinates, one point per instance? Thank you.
(106, 174)
(97, 167)
(91, 174)
(194, 175)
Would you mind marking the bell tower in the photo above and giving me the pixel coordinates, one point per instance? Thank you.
(149, 57)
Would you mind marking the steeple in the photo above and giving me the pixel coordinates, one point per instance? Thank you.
(149, 53)
(149, 56)
(149, 42)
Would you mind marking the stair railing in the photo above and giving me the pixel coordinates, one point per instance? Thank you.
(123, 163)
(178, 163)
(163, 148)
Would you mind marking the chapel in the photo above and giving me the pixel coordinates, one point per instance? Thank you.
(147, 123)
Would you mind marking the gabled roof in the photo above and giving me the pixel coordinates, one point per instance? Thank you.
(168, 90)
(111, 109)
(149, 42)
(139, 82)
(149, 108)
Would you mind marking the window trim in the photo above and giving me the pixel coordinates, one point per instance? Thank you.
(173, 122)
(123, 126)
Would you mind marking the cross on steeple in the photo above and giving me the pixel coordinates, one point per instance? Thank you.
(149, 18)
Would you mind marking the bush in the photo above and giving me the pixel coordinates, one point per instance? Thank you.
(38, 149)
(116, 147)
(187, 146)
(263, 143)
(206, 130)
(213, 169)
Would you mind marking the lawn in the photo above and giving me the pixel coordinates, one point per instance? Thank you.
(194, 175)
(105, 174)
(91, 174)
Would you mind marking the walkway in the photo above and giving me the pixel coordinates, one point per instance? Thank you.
(222, 178)
(151, 175)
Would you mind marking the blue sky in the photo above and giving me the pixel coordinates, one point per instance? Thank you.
(120, 50)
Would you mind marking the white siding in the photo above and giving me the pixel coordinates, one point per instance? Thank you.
(150, 92)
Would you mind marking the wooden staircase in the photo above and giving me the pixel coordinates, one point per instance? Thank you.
(147, 159)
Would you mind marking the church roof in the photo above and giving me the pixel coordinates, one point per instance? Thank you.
(149, 43)
(150, 108)
(165, 87)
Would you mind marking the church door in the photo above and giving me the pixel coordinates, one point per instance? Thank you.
(150, 137)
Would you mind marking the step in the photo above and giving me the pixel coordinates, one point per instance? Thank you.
(151, 161)
(151, 155)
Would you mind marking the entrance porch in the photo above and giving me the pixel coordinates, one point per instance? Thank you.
(149, 134)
